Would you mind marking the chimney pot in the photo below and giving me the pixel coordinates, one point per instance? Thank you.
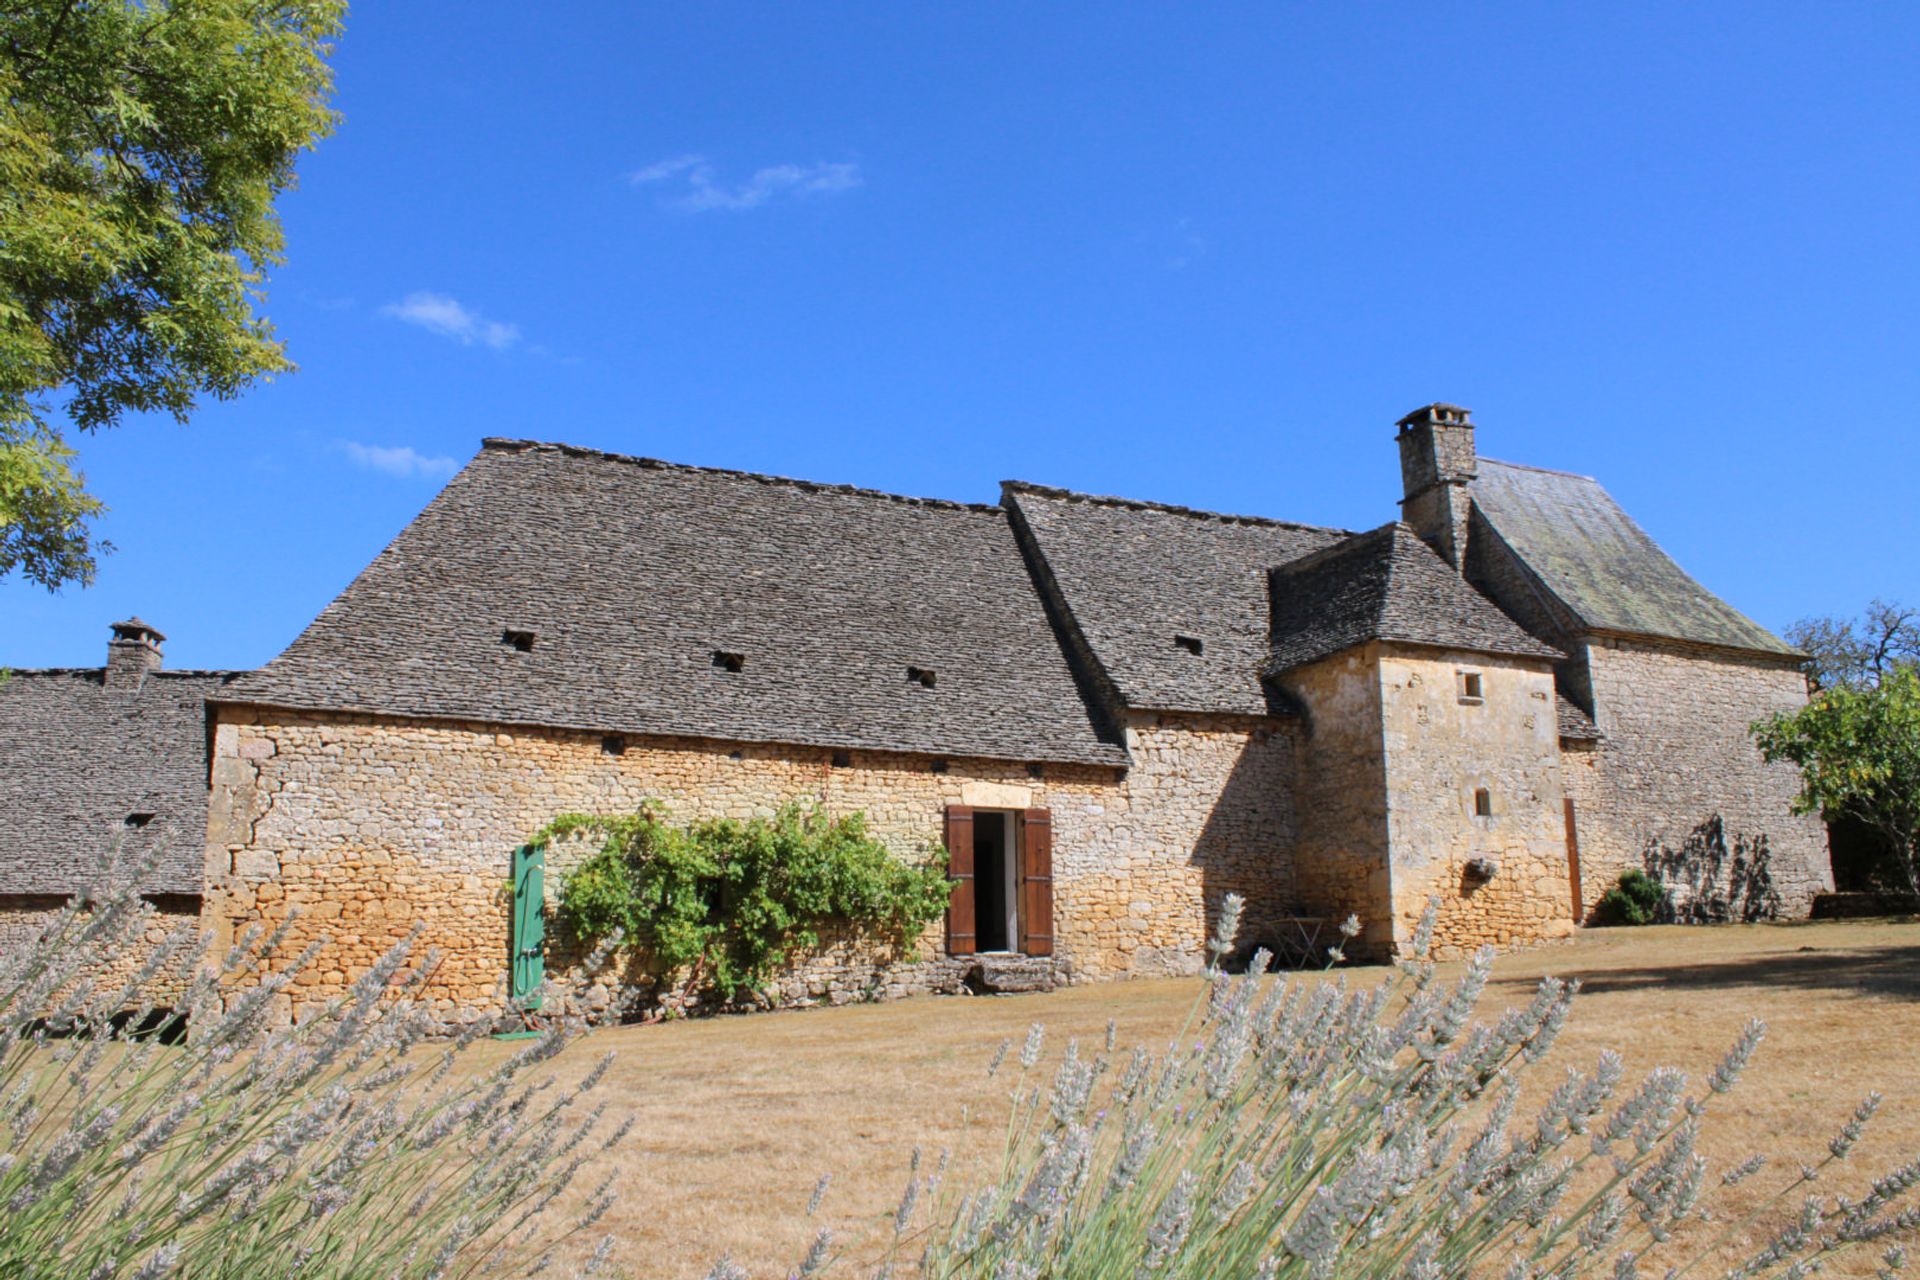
(132, 654)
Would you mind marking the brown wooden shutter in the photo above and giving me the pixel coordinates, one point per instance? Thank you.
(960, 912)
(1036, 882)
(1573, 866)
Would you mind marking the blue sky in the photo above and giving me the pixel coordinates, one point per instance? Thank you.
(1199, 254)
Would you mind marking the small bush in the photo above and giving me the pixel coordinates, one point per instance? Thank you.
(339, 1149)
(1637, 899)
(731, 901)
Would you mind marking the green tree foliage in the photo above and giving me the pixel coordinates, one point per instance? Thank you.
(142, 146)
(1859, 755)
(731, 900)
(1637, 898)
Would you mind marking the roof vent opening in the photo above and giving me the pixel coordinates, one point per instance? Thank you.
(614, 744)
(922, 676)
(521, 641)
(1192, 644)
(729, 661)
(938, 766)
(1036, 770)
(137, 820)
(843, 759)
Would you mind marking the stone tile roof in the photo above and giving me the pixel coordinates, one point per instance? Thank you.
(1147, 584)
(1384, 585)
(1601, 565)
(1575, 724)
(78, 759)
(856, 619)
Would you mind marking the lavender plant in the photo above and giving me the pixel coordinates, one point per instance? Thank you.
(207, 1143)
(1315, 1129)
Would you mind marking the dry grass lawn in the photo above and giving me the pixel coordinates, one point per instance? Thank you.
(739, 1116)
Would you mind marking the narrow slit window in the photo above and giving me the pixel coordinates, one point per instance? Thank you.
(728, 661)
(1192, 644)
(922, 676)
(1483, 803)
(518, 641)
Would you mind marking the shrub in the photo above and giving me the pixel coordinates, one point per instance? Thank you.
(730, 901)
(202, 1143)
(1314, 1130)
(1637, 899)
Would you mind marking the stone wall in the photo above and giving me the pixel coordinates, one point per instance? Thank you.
(1341, 788)
(1443, 747)
(26, 919)
(369, 826)
(1676, 786)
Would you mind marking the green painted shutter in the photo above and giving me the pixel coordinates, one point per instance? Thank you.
(528, 957)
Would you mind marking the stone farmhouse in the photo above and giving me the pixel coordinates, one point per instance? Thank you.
(1110, 713)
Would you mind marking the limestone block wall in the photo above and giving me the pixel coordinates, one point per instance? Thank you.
(26, 920)
(1677, 786)
(1443, 746)
(368, 826)
(1341, 794)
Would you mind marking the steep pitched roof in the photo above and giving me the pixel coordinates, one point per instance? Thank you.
(1139, 576)
(1601, 565)
(1384, 585)
(77, 760)
(636, 579)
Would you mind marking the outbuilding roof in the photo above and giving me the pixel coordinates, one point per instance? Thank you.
(85, 769)
(1172, 601)
(1601, 565)
(1384, 585)
(558, 586)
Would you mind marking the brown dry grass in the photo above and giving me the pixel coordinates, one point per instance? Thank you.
(739, 1116)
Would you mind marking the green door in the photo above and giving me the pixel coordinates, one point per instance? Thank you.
(528, 959)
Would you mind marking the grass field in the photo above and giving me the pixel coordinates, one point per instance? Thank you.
(738, 1116)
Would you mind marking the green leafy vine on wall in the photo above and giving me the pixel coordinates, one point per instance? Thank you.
(730, 901)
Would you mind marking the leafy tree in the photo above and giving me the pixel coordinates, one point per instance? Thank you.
(1855, 653)
(1859, 755)
(142, 146)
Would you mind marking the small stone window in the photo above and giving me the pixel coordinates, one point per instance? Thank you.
(137, 820)
(614, 744)
(1483, 803)
(729, 661)
(1472, 688)
(1036, 770)
(922, 676)
(519, 641)
(843, 759)
(1192, 644)
(938, 766)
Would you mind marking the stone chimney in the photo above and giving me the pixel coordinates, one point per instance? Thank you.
(1436, 462)
(131, 654)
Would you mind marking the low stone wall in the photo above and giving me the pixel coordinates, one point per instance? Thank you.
(26, 921)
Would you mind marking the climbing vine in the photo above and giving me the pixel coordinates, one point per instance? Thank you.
(729, 901)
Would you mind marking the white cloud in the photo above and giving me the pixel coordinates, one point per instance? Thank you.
(703, 192)
(437, 313)
(403, 461)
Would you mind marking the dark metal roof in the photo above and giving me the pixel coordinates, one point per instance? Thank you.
(1601, 565)
(636, 586)
(77, 760)
(1141, 579)
(1384, 585)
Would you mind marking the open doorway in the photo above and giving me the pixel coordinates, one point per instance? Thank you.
(995, 903)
